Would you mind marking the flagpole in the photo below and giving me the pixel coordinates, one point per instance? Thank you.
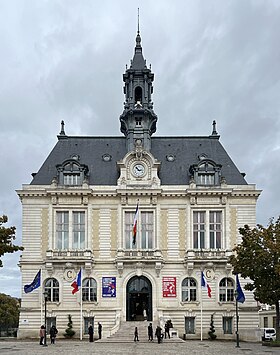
(41, 297)
(237, 319)
(201, 314)
(81, 310)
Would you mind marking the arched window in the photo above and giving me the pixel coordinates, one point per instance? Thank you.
(138, 94)
(189, 290)
(226, 290)
(52, 289)
(89, 289)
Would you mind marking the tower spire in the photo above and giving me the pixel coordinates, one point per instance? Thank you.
(138, 28)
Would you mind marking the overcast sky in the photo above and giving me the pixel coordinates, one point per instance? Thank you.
(65, 59)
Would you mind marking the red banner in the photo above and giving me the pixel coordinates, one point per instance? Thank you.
(169, 287)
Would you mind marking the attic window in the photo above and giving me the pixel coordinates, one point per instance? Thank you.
(170, 157)
(71, 173)
(206, 173)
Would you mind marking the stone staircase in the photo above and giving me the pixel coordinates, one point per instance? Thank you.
(125, 334)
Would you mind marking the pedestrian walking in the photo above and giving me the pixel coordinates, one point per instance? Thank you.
(158, 334)
(99, 330)
(90, 333)
(42, 334)
(166, 330)
(136, 334)
(150, 332)
(53, 332)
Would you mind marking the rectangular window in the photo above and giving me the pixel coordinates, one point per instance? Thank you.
(189, 325)
(198, 230)
(78, 230)
(87, 322)
(207, 229)
(71, 179)
(215, 229)
(62, 230)
(70, 230)
(145, 230)
(206, 179)
(227, 325)
(265, 322)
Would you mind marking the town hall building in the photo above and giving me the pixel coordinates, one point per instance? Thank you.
(184, 197)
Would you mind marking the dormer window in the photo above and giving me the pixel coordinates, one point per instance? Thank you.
(206, 173)
(71, 173)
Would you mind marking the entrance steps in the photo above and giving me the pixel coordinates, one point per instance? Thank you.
(125, 334)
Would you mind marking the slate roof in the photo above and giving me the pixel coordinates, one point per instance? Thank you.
(185, 149)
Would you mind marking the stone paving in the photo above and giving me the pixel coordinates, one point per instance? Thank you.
(194, 347)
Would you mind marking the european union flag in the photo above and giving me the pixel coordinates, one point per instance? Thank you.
(35, 283)
(240, 297)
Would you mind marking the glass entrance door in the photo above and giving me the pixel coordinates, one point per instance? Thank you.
(139, 299)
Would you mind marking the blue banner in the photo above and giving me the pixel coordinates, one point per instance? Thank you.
(108, 287)
(35, 283)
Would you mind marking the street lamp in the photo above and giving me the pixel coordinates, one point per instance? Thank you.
(45, 293)
(237, 318)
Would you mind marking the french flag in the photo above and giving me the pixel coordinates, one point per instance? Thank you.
(135, 225)
(77, 283)
(205, 284)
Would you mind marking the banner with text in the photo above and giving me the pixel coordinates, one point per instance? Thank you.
(108, 287)
(169, 287)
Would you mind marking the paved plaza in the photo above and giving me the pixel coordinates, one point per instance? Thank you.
(189, 347)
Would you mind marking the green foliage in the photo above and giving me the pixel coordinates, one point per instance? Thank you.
(9, 312)
(211, 333)
(7, 235)
(258, 258)
(69, 332)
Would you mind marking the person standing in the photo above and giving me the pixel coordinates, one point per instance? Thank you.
(53, 332)
(90, 333)
(99, 330)
(166, 330)
(136, 334)
(150, 332)
(42, 334)
(158, 334)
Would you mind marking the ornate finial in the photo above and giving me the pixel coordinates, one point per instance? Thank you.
(62, 132)
(138, 38)
(214, 132)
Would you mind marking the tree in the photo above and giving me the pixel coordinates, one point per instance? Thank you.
(9, 312)
(69, 332)
(7, 235)
(258, 258)
(211, 333)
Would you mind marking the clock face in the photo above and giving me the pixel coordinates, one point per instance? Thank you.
(138, 170)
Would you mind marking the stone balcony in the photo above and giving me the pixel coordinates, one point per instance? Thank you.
(206, 256)
(139, 258)
(53, 255)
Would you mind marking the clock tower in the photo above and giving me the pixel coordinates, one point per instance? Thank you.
(138, 120)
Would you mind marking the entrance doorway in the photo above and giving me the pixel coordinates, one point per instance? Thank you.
(139, 299)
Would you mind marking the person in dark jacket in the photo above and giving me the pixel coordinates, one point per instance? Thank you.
(136, 334)
(166, 330)
(90, 333)
(99, 330)
(53, 332)
(158, 334)
(150, 332)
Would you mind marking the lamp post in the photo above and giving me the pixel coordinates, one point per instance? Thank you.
(237, 319)
(45, 293)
